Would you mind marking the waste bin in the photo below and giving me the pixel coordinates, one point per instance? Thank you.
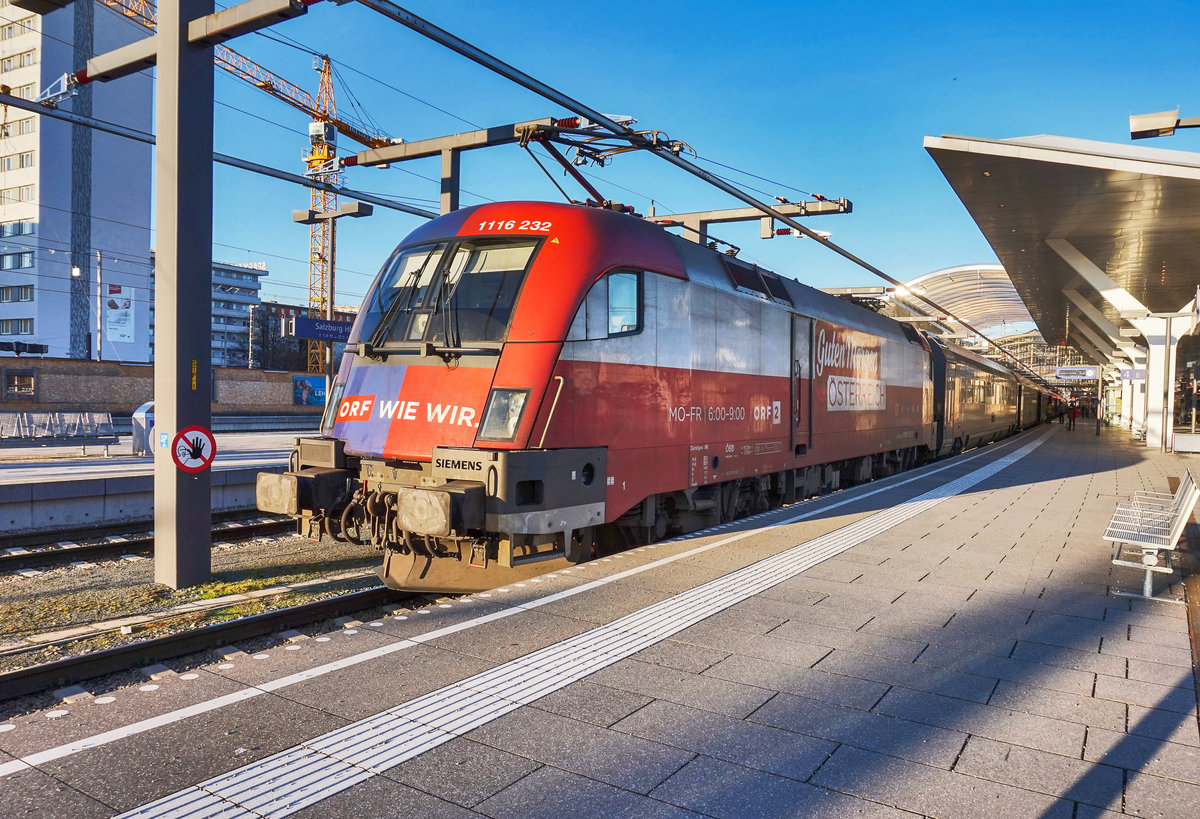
(143, 429)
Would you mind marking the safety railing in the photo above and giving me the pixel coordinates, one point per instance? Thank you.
(47, 428)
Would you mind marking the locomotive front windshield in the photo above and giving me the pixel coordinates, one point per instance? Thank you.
(448, 292)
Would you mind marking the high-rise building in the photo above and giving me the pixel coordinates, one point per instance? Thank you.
(235, 289)
(75, 265)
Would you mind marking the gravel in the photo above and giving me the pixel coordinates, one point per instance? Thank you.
(70, 596)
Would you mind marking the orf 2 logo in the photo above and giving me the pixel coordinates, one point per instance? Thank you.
(355, 408)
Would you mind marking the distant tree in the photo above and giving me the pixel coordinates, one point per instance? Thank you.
(270, 350)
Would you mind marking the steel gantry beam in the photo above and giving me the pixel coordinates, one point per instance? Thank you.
(696, 224)
(219, 158)
(450, 149)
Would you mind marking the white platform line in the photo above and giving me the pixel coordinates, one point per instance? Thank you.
(282, 784)
(810, 509)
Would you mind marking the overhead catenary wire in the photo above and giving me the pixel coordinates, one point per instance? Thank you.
(292, 42)
(127, 259)
(493, 63)
(756, 176)
(224, 159)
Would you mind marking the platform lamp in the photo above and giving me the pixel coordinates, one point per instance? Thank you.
(308, 217)
(1163, 123)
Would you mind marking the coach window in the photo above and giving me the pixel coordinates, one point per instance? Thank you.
(624, 303)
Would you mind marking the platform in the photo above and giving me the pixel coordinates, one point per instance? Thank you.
(235, 450)
(943, 642)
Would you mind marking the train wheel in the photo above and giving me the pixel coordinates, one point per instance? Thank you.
(582, 546)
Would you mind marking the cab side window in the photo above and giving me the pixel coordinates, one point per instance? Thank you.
(614, 307)
(624, 303)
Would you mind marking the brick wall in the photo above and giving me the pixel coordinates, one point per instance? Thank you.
(71, 385)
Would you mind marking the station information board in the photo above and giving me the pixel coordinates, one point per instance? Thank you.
(1076, 373)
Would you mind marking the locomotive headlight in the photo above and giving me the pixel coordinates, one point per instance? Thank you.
(502, 415)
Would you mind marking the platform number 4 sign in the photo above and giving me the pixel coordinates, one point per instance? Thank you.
(193, 449)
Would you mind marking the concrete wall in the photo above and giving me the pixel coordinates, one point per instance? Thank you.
(70, 385)
(45, 507)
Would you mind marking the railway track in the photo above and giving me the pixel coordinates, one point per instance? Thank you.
(121, 658)
(34, 553)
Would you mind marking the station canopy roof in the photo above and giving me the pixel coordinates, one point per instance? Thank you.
(980, 294)
(1058, 211)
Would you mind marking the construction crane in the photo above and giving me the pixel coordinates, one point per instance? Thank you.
(322, 233)
(320, 159)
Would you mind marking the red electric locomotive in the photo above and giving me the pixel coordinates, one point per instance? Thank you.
(527, 378)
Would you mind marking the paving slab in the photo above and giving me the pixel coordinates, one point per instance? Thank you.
(385, 798)
(139, 769)
(1139, 753)
(927, 744)
(932, 791)
(1003, 724)
(1047, 773)
(917, 676)
(716, 788)
(551, 793)
(609, 756)
(34, 793)
(1077, 708)
(591, 702)
(1155, 796)
(741, 742)
(354, 692)
(764, 647)
(463, 772)
(699, 690)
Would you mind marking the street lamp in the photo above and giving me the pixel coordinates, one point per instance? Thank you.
(1163, 123)
(308, 217)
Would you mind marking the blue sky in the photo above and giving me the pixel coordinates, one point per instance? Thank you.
(829, 98)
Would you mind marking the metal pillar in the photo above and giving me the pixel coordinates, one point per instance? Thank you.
(99, 307)
(1162, 333)
(1127, 393)
(328, 220)
(451, 174)
(182, 290)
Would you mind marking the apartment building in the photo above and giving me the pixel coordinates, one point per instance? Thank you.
(75, 262)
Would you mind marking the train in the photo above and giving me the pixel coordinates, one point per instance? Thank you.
(529, 383)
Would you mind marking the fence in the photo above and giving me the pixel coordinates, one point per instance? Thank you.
(39, 428)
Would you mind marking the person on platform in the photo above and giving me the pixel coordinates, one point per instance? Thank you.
(1072, 414)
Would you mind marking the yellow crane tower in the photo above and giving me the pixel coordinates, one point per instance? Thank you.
(320, 158)
(322, 234)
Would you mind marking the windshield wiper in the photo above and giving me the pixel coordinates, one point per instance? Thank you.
(403, 302)
(425, 349)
